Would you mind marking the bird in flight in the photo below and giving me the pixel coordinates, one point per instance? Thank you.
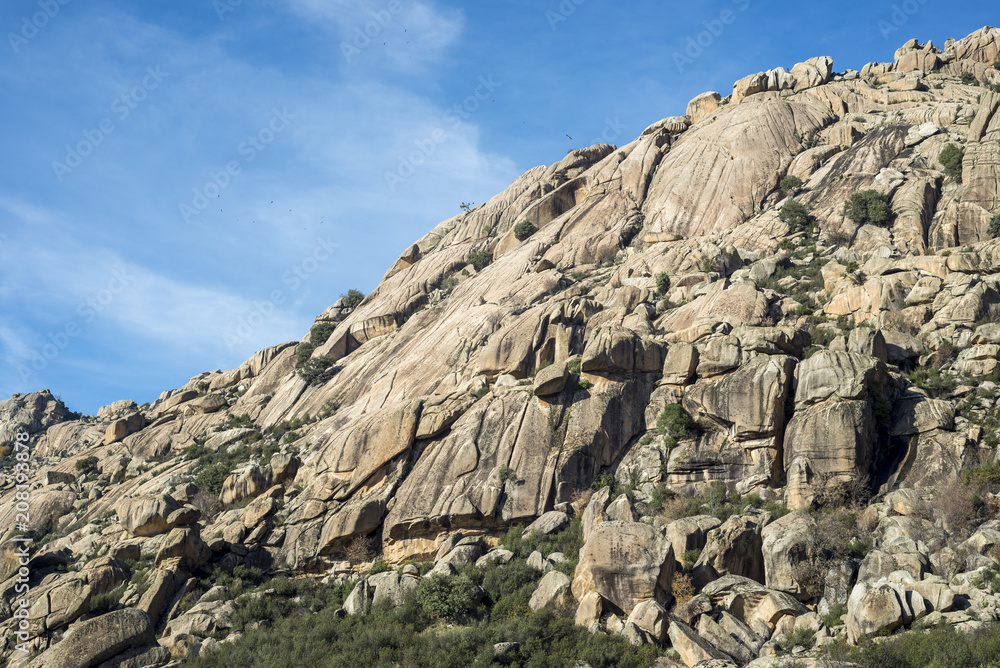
(568, 137)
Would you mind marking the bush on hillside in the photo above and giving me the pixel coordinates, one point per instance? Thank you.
(523, 230)
(868, 206)
(951, 159)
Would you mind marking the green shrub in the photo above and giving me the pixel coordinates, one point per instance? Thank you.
(506, 473)
(318, 370)
(790, 183)
(797, 638)
(523, 230)
(868, 206)
(86, 463)
(880, 407)
(663, 280)
(480, 259)
(443, 597)
(835, 617)
(942, 646)
(320, 332)
(995, 226)
(932, 380)
(674, 422)
(509, 588)
(210, 478)
(602, 481)
(969, 79)
(951, 159)
(352, 299)
(795, 215)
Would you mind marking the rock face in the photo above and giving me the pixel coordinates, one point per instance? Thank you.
(91, 642)
(663, 353)
(625, 563)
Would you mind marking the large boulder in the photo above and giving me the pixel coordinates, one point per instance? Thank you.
(186, 547)
(553, 589)
(95, 640)
(146, 515)
(748, 403)
(873, 609)
(626, 563)
(620, 350)
(787, 546)
(735, 548)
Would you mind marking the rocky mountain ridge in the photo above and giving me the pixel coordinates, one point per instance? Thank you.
(692, 315)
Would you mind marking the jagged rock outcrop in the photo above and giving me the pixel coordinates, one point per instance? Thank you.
(665, 333)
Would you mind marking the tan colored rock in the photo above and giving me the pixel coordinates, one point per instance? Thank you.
(734, 548)
(786, 543)
(916, 414)
(680, 363)
(244, 483)
(692, 648)
(90, 642)
(619, 350)
(651, 618)
(589, 611)
(813, 72)
(553, 589)
(175, 400)
(551, 379)
(719, 355)
(122, 427)
(146, 515)
(872, 609)
(690, 533)
(208, 403)
(703, 105)
(830, 374)
(626, 563)
(748, 403)
(185, 546)
(59, 605)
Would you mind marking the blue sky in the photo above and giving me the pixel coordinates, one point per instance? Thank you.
(185, 182)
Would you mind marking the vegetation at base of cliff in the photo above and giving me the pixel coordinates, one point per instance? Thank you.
(447, 621)
(939, 647)
(713, 500)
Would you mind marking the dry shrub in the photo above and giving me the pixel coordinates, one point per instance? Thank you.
(683, 588)
(360, 549)
(867, 519)
(809, 575)
(954, 504)
(207, 503)
(899, 321)
(581, 498)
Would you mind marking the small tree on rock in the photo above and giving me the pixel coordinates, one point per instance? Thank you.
(868, 206)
